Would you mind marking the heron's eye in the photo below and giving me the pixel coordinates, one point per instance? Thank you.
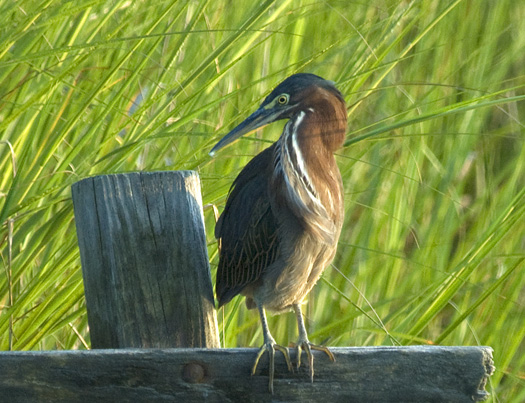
(282, 99)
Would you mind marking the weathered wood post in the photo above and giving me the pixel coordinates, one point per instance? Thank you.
(144, 260)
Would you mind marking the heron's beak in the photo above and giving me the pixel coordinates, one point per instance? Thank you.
(261, 117)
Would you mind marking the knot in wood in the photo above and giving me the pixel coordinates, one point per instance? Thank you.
(193, 372)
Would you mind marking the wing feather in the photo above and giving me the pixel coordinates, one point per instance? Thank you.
(247, 230)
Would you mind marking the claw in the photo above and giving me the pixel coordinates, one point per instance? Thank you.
(304, 343)
(308, 347)
(270, 346)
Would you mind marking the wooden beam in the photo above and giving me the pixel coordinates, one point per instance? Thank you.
(144, 260)
(373, 374)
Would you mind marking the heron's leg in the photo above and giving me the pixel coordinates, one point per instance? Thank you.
(270, 345)
(304, 343)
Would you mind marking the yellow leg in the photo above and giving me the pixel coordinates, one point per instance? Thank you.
(270, 346)
(304, 343)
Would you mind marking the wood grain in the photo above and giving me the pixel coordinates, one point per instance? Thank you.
(144, 260)
(373, 374)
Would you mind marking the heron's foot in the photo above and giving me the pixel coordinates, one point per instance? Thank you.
(271, 346)
(308, 347)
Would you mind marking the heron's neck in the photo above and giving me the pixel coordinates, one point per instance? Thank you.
(311, 138)
(306, 171)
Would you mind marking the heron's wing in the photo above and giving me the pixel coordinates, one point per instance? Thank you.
(247, 230)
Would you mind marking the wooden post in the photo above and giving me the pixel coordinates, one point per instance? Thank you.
(144, 260)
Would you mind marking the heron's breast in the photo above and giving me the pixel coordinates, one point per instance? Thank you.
(291, 278)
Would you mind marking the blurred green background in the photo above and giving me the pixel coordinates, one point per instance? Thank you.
(434, 166)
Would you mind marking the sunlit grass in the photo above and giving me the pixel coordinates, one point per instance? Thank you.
(434, 165)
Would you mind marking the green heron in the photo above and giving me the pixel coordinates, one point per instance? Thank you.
(283, 216)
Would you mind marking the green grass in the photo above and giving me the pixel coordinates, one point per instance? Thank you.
(433, 245)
